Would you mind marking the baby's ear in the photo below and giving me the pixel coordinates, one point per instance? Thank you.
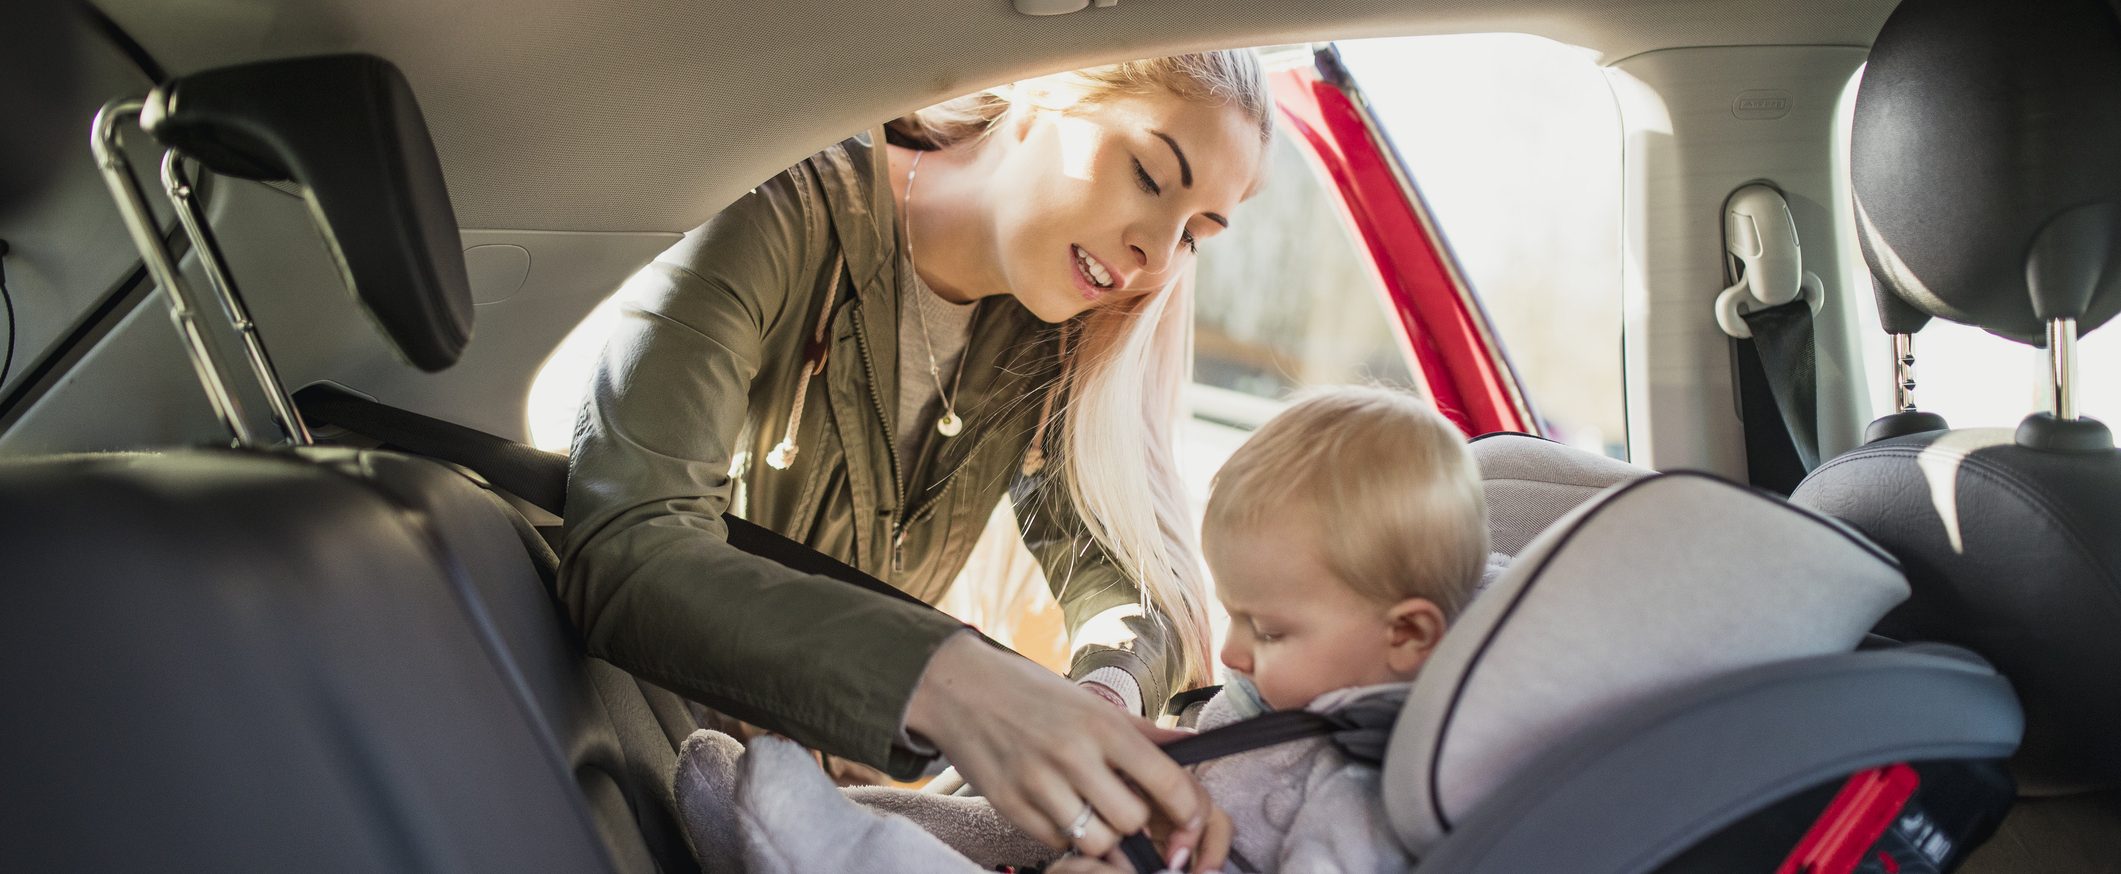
(1414, 626)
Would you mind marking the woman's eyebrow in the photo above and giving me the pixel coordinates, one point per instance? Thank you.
(1185, 170)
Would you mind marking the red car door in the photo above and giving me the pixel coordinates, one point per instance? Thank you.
(1468, 373)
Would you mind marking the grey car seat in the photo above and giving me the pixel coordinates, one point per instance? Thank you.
(1987, 194)
(1666, 679)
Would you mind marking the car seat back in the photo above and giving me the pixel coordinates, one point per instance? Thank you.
(460, 582)
(1684, 645)
(1986, 194)
(241, 661)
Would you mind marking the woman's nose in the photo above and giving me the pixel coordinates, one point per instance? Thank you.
(1153, 251)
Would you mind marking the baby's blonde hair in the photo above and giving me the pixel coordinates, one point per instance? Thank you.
(1388, 482)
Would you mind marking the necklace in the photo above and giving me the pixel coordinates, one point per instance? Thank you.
(949, 425)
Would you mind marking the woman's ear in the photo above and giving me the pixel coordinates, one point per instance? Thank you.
(1414, 627)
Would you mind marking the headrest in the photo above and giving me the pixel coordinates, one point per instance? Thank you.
(1655, 585)
(2013, 553)
(40, 81)
(346, 128)
(1532, 481)
(1983, 163)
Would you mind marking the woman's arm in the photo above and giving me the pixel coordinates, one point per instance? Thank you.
(1101, 606)
(647, 574)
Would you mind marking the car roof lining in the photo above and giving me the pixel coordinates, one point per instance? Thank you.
(554, 115)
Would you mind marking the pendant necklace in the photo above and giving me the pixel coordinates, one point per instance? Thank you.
(949, 425)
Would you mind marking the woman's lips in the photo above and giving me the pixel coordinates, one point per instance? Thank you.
(1085, 284)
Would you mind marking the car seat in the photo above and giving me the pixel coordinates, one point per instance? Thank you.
(1987, 194)
(298, 657)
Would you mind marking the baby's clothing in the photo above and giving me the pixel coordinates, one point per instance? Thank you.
(1305, 805)
(1302, 806)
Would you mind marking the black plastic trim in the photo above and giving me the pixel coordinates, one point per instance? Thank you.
(127, 295)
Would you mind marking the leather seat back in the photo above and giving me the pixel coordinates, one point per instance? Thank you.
(239, 661)
(2013, 553)
(1986, 194)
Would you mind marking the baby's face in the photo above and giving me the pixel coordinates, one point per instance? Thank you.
(1296, 630)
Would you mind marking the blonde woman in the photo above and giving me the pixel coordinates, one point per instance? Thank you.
(867, 353)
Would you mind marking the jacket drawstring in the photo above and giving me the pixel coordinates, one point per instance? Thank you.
(783, 454)
(1035, 455)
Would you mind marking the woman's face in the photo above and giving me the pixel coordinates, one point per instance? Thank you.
(1106, 202)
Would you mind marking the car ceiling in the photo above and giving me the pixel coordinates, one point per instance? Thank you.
(649, 115)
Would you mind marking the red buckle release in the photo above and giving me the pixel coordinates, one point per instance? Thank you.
(1853, 822)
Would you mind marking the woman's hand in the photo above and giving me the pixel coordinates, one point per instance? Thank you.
(1041, 749)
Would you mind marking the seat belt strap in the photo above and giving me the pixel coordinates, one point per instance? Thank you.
(540, 477)
(1778, 394)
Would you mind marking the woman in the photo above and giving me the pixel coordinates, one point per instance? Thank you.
(867, 353)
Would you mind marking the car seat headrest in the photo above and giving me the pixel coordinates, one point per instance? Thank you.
(1532, 481)
(1654, 585)
(40, 84)
(1983, 164)
(347, 129)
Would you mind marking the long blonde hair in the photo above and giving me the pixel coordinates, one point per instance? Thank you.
(1129, 361)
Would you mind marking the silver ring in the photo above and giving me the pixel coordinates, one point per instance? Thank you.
(1081, 825)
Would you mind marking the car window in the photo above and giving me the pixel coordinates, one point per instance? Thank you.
(1515, 143)
(1284, 301)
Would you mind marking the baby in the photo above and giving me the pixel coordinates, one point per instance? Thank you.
(1343, 537)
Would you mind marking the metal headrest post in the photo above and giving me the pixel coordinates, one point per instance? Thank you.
(2062, 362)
(186, 303)
(184, 196)
(107, 143)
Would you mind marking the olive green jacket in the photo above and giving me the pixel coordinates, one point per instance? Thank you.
(696, 387)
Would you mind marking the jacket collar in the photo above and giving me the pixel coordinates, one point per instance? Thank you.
(856, 181)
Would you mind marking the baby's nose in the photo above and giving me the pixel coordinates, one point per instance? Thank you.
(1237, 657)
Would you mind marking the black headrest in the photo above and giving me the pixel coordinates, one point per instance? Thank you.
(347, 128)
(1987, 189)
(40, 79)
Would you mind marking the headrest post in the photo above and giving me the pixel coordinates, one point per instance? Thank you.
(1903, 373)
(184, 196)
(2062, 358)
(107, 145)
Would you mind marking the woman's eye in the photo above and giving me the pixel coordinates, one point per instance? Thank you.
(1141, 178)
(1192, 245)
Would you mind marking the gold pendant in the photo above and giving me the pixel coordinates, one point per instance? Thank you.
(949, 424)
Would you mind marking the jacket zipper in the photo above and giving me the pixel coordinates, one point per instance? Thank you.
(898, 480)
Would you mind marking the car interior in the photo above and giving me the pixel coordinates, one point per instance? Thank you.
(279, 560)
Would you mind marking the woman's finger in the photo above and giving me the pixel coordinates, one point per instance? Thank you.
(1167, 785)
(1078, 823)
(1116, 804)
(1213, 850)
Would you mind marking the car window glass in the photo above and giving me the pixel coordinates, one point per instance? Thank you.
(1515, 143)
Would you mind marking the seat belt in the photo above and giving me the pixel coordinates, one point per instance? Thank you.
(540, 477)
(1778, 396)
(1767, 310)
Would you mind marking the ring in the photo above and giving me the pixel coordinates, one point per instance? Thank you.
(1081, 825)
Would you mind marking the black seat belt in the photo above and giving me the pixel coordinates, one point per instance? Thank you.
(1778, 396)
(537, 476)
